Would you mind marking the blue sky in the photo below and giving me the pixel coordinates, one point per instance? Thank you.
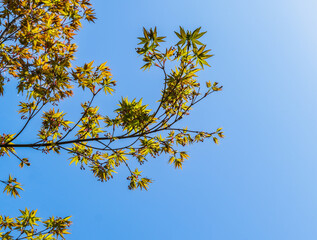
(259, 183)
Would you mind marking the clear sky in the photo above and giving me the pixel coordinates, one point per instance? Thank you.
(259, 183)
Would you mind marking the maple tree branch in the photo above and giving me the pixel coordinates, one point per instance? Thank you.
(83, 115)
(78, 153)
(16, 156)
(9, 25)
(33, 114)
(37, 233)
(13, 145)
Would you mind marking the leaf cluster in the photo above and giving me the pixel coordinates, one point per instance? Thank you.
(26, 226)
(12, 187)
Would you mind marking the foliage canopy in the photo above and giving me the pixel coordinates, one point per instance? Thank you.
(37, 53)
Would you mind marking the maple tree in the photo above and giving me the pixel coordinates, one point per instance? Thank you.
(37, 52)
